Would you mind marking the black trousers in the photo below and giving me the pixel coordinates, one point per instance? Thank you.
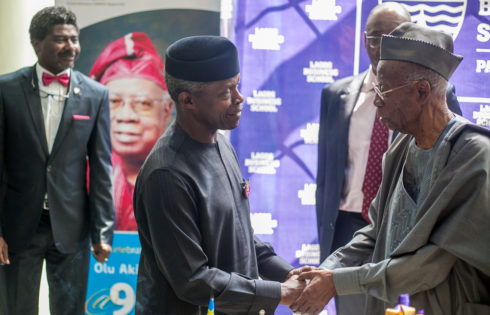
(345, 227)
(66, 274)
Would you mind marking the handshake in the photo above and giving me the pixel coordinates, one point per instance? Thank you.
(307, 290)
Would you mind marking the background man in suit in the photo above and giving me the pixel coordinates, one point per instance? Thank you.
(53, 122)
(351, 145)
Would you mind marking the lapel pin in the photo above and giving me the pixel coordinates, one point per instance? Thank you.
(246, 188)
(76, 90)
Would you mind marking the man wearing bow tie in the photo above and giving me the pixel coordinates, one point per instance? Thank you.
(54, 122)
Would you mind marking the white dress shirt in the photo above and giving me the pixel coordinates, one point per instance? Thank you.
(52, 102)
(360, 131)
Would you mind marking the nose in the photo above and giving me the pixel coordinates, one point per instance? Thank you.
(238, 97)
(71, 44)
(378, 102)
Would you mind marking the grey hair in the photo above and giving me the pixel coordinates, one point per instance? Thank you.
(176, 86)
(437, 83)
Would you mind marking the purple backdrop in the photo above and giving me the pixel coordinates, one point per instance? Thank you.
(288, 51)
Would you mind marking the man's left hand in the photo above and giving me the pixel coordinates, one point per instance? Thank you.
(317, 293)
(102, 251)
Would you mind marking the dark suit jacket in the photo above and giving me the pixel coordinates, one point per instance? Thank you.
(28, 170)
(337, 104)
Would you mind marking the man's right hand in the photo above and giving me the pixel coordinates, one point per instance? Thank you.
(317, 294)
(4, 252)
(291, 289)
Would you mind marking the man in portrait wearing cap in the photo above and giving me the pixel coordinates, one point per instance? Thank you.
(141, 107)
(54, 121)
(191, 201)
(428, 236)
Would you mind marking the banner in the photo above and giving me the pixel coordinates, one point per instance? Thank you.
(289, 50)
(112, 285)
(123, 47)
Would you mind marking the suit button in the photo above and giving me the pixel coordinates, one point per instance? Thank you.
(49, 168)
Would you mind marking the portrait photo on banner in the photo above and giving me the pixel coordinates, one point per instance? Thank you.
(126, 55)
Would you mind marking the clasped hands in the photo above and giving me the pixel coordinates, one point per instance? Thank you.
(307, 290)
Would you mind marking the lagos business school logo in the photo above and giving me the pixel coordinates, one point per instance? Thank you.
(443, 15)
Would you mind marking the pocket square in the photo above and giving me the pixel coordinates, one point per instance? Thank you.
(81, 117)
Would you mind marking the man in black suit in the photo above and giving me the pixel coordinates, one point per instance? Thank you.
(54, 123)
(345, 152)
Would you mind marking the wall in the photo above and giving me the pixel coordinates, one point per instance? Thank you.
(15, 16)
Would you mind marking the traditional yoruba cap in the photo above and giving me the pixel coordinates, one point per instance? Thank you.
(131, 56)
(202, 59)
(421, 45)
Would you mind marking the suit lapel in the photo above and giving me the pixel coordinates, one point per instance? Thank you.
(71, 104)
(351, 94)
(31, 91)
(348, 99)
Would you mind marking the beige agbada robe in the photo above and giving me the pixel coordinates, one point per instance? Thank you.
(443, 262)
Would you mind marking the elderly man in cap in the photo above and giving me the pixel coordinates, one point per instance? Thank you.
(428, 236)
(351, 144)
(191, 201)
(141, 107)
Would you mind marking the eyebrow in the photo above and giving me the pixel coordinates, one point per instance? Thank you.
(59, 36)
(130, 95)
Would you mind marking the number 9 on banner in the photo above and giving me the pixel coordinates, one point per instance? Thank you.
(127, 300)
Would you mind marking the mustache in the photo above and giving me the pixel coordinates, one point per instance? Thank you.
(67, 54)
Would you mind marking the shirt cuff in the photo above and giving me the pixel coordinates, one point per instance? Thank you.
(267, 296)
(346, 280)
(275, 268)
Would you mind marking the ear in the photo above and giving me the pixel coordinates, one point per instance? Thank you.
(186, 100)
(167, 112)
(424, 90)
(168, 106)
(365, 40)
(36, 44)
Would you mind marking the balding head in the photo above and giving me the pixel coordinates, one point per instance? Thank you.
(394, 10)
(383, 19)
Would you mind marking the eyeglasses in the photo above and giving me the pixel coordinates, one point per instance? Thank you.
(140, 105)
(57, 97)
(373, 41)
(382, 94)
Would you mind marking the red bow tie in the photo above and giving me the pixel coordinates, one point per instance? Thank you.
(48, 79)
